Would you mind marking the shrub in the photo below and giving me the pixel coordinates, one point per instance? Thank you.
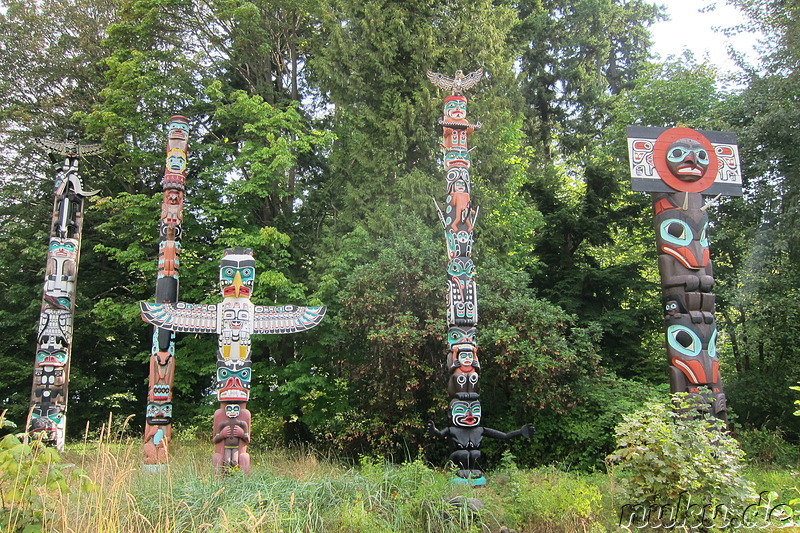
(28, 472)
(765, 447)
(666, 455)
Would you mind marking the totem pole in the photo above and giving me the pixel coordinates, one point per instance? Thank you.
(48, 407)
(679, 166)
(234, 321)
(458, 220)
(158, 420)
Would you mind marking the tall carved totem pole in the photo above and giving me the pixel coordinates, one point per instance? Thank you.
(458, 220)
(679, 166)
(158, 421)
(48, 408)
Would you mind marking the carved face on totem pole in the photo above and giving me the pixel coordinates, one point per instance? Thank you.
(48, 418)
(460, 176)
(63, 249)
(233, 410)
(687, 159)
(455, 109)
(463, 356)
(237, 272)
(692, 348)
(55, 356)
(456, 157)
(176, 161)
(233, 381)
(158, 414)
(466, 413)
(172, 207)
(682, 234)
(179, 128)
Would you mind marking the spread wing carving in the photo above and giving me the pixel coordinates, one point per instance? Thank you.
(286, 318)
(68, 148)
(471, 79)
(440, 80)
(181, 317)
(457, 84)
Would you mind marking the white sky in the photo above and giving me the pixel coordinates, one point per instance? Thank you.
(689, 28)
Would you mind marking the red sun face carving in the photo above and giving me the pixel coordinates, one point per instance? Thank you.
(685, 160)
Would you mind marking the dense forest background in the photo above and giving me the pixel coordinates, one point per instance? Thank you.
(315, 143)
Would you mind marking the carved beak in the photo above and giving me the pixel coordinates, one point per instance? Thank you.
(237, 284)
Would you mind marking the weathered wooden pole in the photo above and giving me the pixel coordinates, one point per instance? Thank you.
(158, 419)
(49, 395)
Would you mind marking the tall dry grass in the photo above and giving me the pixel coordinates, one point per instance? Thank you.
(289, 491)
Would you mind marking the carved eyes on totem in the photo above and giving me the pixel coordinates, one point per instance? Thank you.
(686, 342)
(456, 336)
(456, 109)
(671, 307)
(179, 126)
(232, 314)
(156, 410)
(56, 418)
(457, 269)
(687, 159)
(678, 232)
(56, 357)
(246, 273)
(223, 374)
(679, 153)
(462, 379)
(232, 411)
(63, 246)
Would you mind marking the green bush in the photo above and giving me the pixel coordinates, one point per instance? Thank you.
(665, 455)
(28, 474)
(767, 447)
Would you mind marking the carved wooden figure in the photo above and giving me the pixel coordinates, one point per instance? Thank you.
(48, 407)
(234, 320)
(458, 220)
(231, 437)
(679, 166)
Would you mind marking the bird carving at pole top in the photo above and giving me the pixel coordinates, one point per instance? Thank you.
(458, 83)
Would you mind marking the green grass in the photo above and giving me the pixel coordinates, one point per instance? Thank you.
(300, 491)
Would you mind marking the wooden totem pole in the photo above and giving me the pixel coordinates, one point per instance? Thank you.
(234, 320)
(679, 166)
(458, 220)
(158, 421)
(48, 408)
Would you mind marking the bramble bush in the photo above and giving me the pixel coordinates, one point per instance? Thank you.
(28, 472)
(663, 452)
